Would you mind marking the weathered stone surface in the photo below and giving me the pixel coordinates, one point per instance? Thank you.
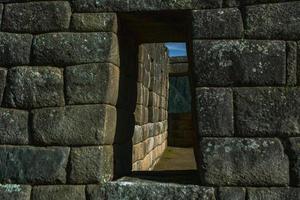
(13, 126)
(148, 5)
(92, 83)
(274, 193)
(15, 49)
(131, 188)
(294, 145)
(267, 111)
(232, 193)
(100, 5)
(33, 87)
(217, 23)
(291, 61)
(205, 4)
(94, 22)
(74, 125)
(3, 73)
(15, 192)
(243, 162)
(75, 48)
(273, 21)
(91, 164)
(33, 164)
(36, 17)
(178, 69)
(178, 59)
(215, 112)
(59, 192)
(239, 62)
(231, 3)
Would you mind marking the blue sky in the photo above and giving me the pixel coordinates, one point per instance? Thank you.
(176, 49)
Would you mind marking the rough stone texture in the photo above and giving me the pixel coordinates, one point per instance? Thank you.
(291, 51)
(33, 87)
(74, 125)
(13, 126)
(217, 23)
(3, 73)
(15, 192)
(243, 162)
(75, 48)
(267, 111)
(92, 83)
(91, 164)
(178, 69)
(232, 193)
(130, 188)
(33, 164)
(36, 17)
(179, 95)
(274, 193)
(100, 5)
(205, 4)
(239, 62)
(58, 192)
(273, 21)
(94, 22)
(148, 5)
(14, 49)
(214, 111)
(294, 145)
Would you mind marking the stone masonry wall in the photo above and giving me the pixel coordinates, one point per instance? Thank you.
(60, 130)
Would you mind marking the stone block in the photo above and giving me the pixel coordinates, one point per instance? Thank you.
(37, 17)
(283, 193)
(91, 164)
(239, 62)
(130, 188)
(291, 62)
(243, 162)
(273, 21)
(3, 74)
(58, 192)
(294, 147)
(154, 5)
(214, 112)
(232, 193)
(62, 49)
(92, 83)
(178, 69)
(13, 126)
(217, 24)
(100, 5)
(267, 111)
(138, 134)
(206, 4)
(74, 125)
(34, 87)
(15, 49)
(15, 192)
(106, 22)
(35, 165)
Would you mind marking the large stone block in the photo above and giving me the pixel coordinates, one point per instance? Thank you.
(239, 62)
(36, 17)
(243, 162)
(15, 192)
(130, 188)
(105, 22)
(150, 5)
(91, 164)
(274, 193)
(100, 5)
(34, 165)
(74, 125)
(15, 49)
(13, 126)
(58, 192)
(232, 193)
(92, 83)
(217, 23)
(75, 48)
(273, 21)
(33, 87)
(294, 145)
(215, 112)
(267, 111)
(3, 73)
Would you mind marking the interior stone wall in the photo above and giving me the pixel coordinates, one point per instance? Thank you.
(60, 130)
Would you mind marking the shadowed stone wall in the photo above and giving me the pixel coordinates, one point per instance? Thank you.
(61, 85)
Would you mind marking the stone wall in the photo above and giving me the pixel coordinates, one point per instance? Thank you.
(60, 130)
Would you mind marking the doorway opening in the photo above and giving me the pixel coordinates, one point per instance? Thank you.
(141, 148)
